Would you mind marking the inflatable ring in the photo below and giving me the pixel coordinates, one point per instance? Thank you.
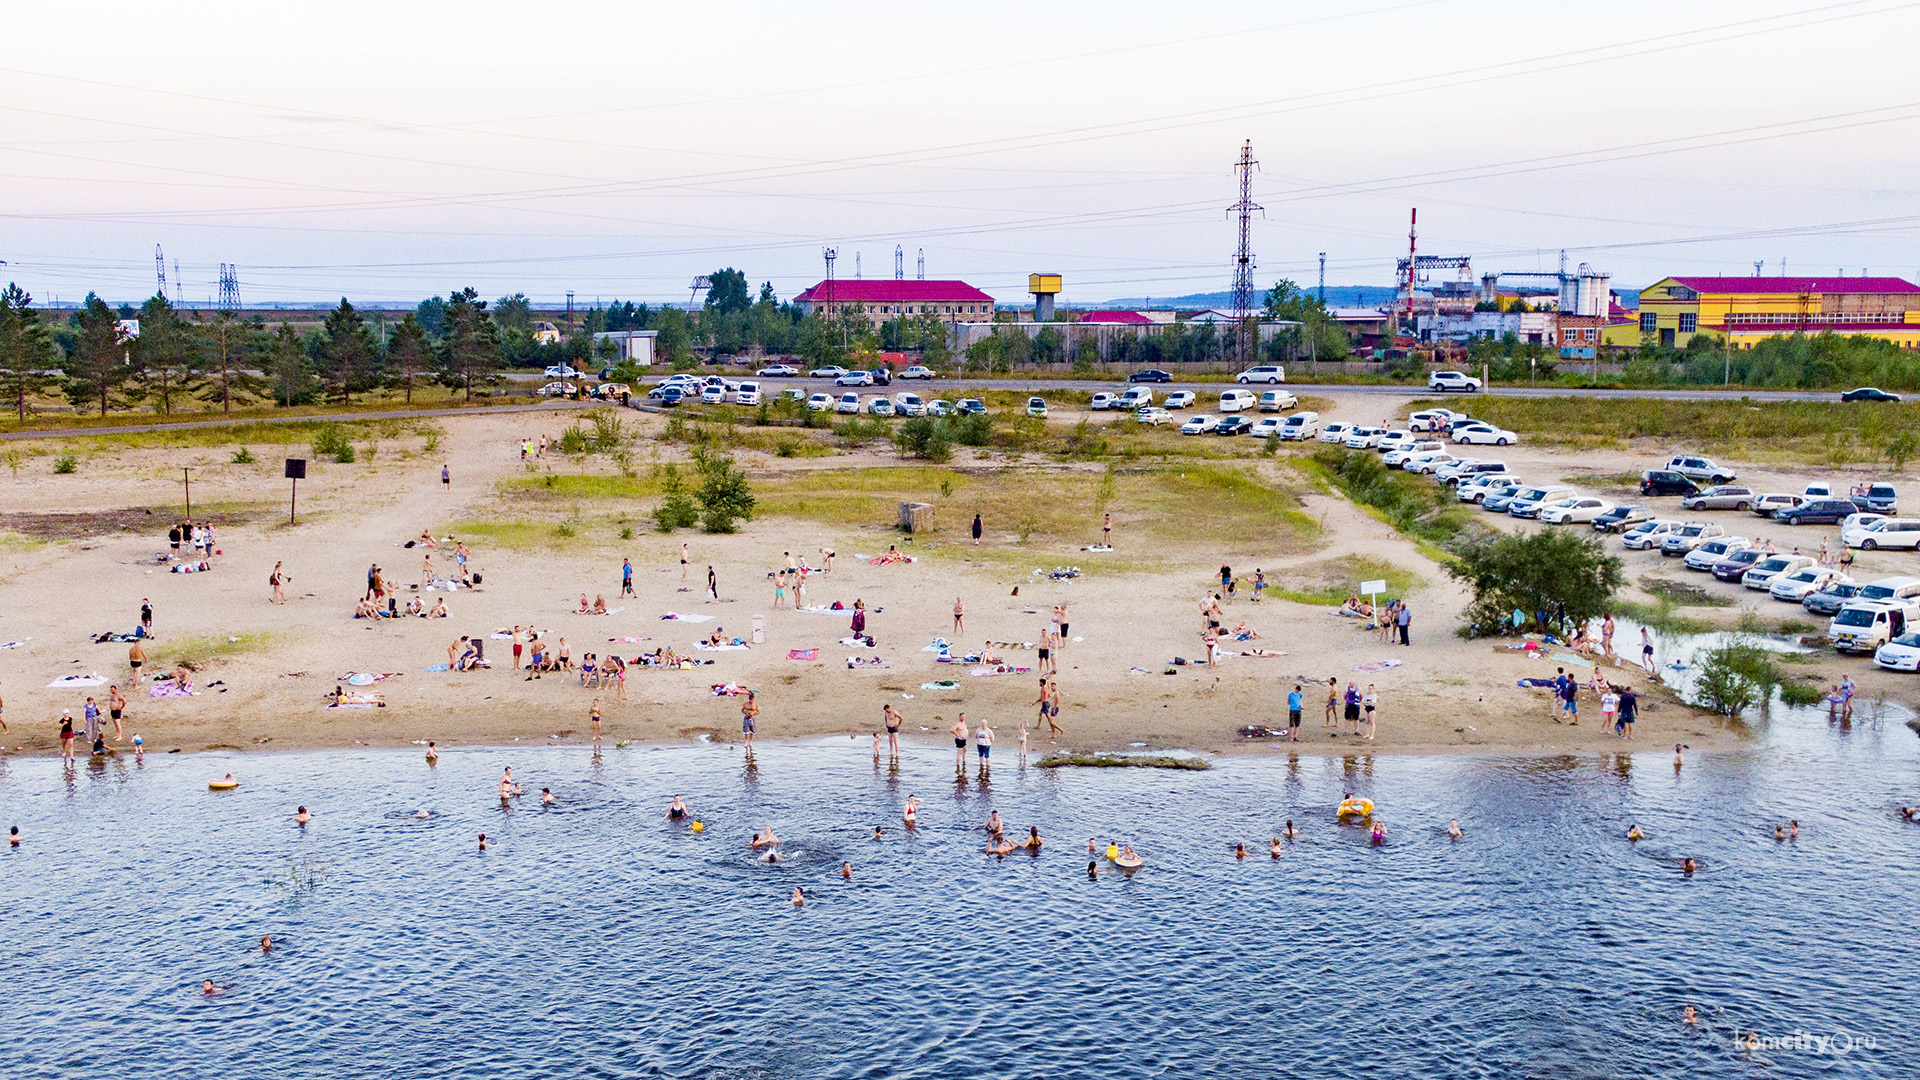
(1357, 808)
(1125, 862)
(222, 785)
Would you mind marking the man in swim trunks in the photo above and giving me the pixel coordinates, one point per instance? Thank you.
(136, 656)
(146, 615)
(686, 556)
(1333, 700)
(1294, 701)
(749, 710)
(959, 733)
(893, 720)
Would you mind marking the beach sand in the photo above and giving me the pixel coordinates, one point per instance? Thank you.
(1447, 695)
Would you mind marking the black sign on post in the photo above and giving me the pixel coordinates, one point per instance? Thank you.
(296, 472)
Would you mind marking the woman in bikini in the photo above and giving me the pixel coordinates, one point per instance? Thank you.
(913, 810)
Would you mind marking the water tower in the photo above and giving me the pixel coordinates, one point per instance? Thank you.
(1044, 288)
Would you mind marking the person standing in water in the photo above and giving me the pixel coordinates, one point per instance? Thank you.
(593, 714)
(959, 733)
(893, 720)
(983, 748)
(749, 712)
(1646, 650)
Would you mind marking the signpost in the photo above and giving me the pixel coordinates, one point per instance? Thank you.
(296, 469)
(1373, 588)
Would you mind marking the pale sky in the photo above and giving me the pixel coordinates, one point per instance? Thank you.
(391, 151)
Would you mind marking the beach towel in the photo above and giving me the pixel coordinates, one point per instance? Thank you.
(803, 654)
(856, 643)
(439, 667)
(1262, 652)
(886, 560)
(171, 689)
(729, 647)
(1098, 547)
(76, 680)
(987, 672)
(1569, 658)
(943, 684)
(501, 635)
(1138, 671)
(822, 609)
(609, 611)
(355, 704)
(1526, 683)
(728, 690)
(688, 617)
(868, 662)
(1378, 665)
(14, 644)
(366, 678)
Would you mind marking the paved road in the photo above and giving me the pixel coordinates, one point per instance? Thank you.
(949, 388)
(125, 429)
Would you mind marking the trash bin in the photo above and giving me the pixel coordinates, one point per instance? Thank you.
(759, 629)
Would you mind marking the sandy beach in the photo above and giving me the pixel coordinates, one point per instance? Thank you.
(268, 666)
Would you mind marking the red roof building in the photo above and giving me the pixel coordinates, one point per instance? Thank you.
(884, 300)
(1122, 318)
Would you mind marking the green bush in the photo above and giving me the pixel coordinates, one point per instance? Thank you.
(244, 456)
(924, 437)
(332, 441)
(65, 464)
(574, 440)
(724, 497)
(1557, 571)
(677, 509)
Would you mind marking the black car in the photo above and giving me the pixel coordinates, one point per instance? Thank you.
(881, 376)
(1869, 393)
(670, 395)
(1232, 425)
(1150, 375)
(1618, 518)
(1817, 512)
(1737, 563)
(1666, 482)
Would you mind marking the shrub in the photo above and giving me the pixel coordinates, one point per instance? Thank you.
(924, 437)
(244, 456)
(724, 497)
(610, 433)
(626, 532)
(65, 464)
(1735, 677)
(676, 509)
(332, 441)
(432, 443)
(574, 440)
(1563, 573)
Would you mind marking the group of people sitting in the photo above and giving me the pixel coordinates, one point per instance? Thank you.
(597, 671)
(1356, 608)
(598, 607)
(369, 608)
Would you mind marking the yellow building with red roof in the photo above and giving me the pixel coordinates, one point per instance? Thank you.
(1744, 310)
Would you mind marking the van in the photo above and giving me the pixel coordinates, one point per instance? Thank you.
(1275, 400)
(1864, 627)
(748, 394)
(909, 405)
(1235, 400)
(1899, 590)
(1136, 397)
(1301, 425)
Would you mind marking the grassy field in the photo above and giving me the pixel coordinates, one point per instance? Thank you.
(1329, 582)
(1803, 432)
(297, 434)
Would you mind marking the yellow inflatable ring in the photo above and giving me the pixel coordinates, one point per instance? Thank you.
(698, 826)
(1356, 807)
(222, 785)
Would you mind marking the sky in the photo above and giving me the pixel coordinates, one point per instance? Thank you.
(388, 152)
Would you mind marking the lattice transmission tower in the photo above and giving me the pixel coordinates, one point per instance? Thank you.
(1243, 255)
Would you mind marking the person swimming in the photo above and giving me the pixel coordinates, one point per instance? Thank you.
(546, 797)
(1379, 834)
(1633, 831)
(1273, 847)
(1779, 832)
(1688, 866)
(677, 810)
(1453, 828)
(1091, 847)
(913, 809)
(1127, 855)
(1290, 832)
(483, 841)
(207, 989)
(877, 833)
(846, 871)
(433, 752)
(1689, 1018)
(1240, 850)
(1093, 870)
(301, 816)
(999, 845)
(799, 898)
(764, 839)
(1793, 830)
(1033, 838)
(994, 825)
(266, 944)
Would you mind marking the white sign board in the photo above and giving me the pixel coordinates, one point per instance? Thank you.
(1373, 588)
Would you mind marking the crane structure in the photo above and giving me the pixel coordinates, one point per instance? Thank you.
(160, 270)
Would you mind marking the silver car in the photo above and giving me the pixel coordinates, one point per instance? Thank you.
(1723, 497)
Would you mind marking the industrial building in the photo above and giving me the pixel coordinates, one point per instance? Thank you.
(884, 301)
(1745, 310)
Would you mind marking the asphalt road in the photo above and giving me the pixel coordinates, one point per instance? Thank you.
(126, 429)
(949, 388)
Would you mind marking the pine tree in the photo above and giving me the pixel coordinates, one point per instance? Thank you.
(349, 356)
(409, 354)
(99, 365)
(26, 349)
(471, 351)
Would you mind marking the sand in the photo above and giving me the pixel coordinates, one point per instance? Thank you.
(1446, 695)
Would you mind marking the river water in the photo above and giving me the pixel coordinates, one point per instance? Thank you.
(597, 940)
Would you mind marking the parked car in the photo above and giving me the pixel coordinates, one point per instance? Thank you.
(1573, 511)
(1390, 441)
(562, 371)
(1497, 498)
(1817, 512)
(1235, 400)
(1897, 590)
(1232, 425)
(1102, 402)
(1276, 400)
(1433, 420)
(667, 395)
(1528, 503)
(748, 394)
(1153, 415)
(939, 407)
(880, 406)
(558, 389)
(1884, 533)
(1687, 537)
(849, 403)
(1336, 432)
(881, 376)
(1765, 504)
(967, 406)
(778, 371)
(1859, 520)
(1476, 433)
(1363, 438)
(1648, 534)
(1479, 487)
(1267, 428)
(1771, 567)
(1720, 497)
(1398, 458)
(1179, 399)
(1699, 468)
(909, 404)
(1864, 627)
(1620, 518)
(1836, 595)
(1197, 424)
(854, 378)
(1150, 375)
(918, 371)
(1737, 563)
(1703, 557)
(1801, 583)
(713, 395)
(1302, 426)
(613, 391)
(1817, 491)
(1467, 469)
(1666, 482)
(1265, 373)
(1881, 499)
(794, 393)
(1037, 407)
(1428, 462)
(1458, 381)
(1900, 654)
(1134, 398)
(833, 371)
(1869, 393)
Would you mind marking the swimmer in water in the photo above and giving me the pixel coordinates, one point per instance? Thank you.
(765, 838)
(422, 814)
(506, 785)
(677, 810)
(1379, 834)
(1453, 828)
(546, 797)
(846, 871)
(433, 752)
(1273, 847)
(1690, 1019)
(1091, 847)
(770, 857)
(266, 944)
(994, 825)
(1127, 852)
(1793, 830)
(301, 816)
(1677, 747)
(913, 809)
(1240, 850)
(1093, 870)
(1290, 832)
(799, 898)
(876, 832)
(1033, 838)
(1688, 866)
(207, 989)
(999, 845)
(1633, 831)
(13, 836)
(483, 841)
(1779, 832)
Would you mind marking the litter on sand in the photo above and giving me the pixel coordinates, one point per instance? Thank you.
(367, 678)
(1098, 547)
(985, 672)
(943, 684)
(14, 644)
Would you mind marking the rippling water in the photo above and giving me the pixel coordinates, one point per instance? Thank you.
(596, 940)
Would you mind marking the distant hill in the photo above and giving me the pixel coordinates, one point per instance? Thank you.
(1337, 296)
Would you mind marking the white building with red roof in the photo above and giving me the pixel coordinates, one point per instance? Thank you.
(885, 300)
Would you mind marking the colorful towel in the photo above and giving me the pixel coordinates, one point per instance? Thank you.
(688, 617)
(940, 644)
(76, 680)
(855, 643)
(983, 673)
(366, 678)
(803, 654)
(439, 667)
(171, 689)
(729, 647)
(1378, 665)
(728, 690)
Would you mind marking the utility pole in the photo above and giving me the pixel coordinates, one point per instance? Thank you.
(187, 480)
(160, 270)
(922, 274)
(1243, 255)
(1323, 278)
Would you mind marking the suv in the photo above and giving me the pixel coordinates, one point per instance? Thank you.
(1666, 482)
(1266, 373)
(1452, 380)
(1724, 497)
(1881, 499)
(1699, 468)
(1818, 511)
(1687, 537)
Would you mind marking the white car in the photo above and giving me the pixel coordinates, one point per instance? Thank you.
(1863, 518)
(1277, 400)
(880, 406)
(1580, 510)
(1394, 440)
(1267, 428)
(1198, 425)
(1807, 579)
(1900, 654)
(1452, 380)
(1363, 438)
(1152, 414)
(909, 405)
(1471, 434)
(854, 378)
(778, 371)
(939, 407)
(556, 389)
(1452, 469)
(1429, 461)
(832, 371)
(1763, 573)
(562, 371)
(1647, 535)
(820, 403)
(713, 395)
(1135, 397)
(1884, 533)
(1336, 432)
(849, 403)
(1102, 402)
(1703, 557)
(918, 372)
(1397, 458)
(1180, 399)
(1699, 468)
(1432, 420)
(1478, 488)
(749, 394)
(1037, 406)
(1265, 373)
(1765, 505)
(1537, 498)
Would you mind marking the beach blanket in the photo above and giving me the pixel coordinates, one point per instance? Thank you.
(729, 647)
(630, 640)
(445, 585)
(439, 667)
(1526, 683)
(171, 689)
(803, 654)
(687, 617)
(1138, 671)
(190, 568)
(1098, 547)
(989, 672)
(728, 690)
(1569, 658)
(359, 701)
(501, 635)
(366, 678)
(856, 643)
(609, 611)
(943, 684)
(1262, 652)
(886, 560)
(824, 609)
(76, 680)
(1378, 665)
(868, 662)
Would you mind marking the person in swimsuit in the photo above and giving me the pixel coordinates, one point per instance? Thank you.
(912, 815)
(677, 810)
(1033, 838)
(1290, 832)
(301, 817)
(685, 557)
(893, 720)
(66, 734)
(983, 748)
(749, 711)
(1333, 700)
(136, 656)
(593, 714)
(274, 579)
(959, 733)
(764, 839)
(713, 584)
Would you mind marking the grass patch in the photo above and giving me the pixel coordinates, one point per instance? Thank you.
(1122, 761)
(1412, 505)
(198, 652)
(510, 534)
(1681, 593)
(18, 542)
(1616, 482)
(1329, 582)
(1662, 617)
